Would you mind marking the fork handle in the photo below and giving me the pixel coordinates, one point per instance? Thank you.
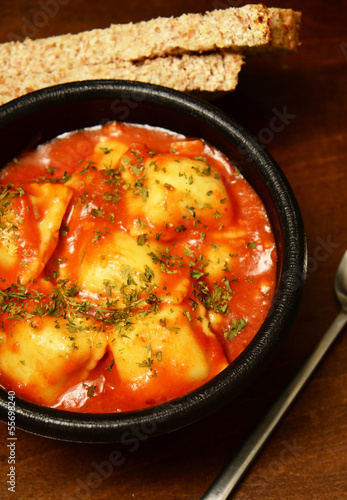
(227, 480)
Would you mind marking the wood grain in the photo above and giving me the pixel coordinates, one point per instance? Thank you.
(307, 455)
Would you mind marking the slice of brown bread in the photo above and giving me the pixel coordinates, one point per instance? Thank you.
(188, 73)
(285, 27)
(190, 53)
(233, 28)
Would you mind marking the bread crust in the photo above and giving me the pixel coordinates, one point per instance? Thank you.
(192, 52)
(232, 28)
(285, 27)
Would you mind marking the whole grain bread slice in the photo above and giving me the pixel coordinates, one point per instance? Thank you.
(285, 28)
(187, 73)
(251, 26)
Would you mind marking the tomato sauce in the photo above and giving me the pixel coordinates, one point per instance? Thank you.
(136, 265)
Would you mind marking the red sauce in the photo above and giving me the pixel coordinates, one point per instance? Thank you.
(212, 268)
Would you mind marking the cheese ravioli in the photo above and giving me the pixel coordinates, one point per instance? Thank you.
(46, 356)
(135, 265)
(183, 194)
(30, 219)
(153, 350)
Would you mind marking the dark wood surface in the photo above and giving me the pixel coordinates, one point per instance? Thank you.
(307, 455)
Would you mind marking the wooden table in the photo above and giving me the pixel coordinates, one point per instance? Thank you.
(307, 455)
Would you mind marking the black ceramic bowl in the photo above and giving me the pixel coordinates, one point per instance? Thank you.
(41, 116)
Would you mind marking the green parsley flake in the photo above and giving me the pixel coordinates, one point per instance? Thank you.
(97, 212)
(109, 368)
(235, 327)
(252, 244)
(91, 391)
(142, 239)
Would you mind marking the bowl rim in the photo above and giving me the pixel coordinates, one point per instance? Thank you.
(184, 410)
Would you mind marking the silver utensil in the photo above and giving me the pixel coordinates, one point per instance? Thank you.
(227, 480)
